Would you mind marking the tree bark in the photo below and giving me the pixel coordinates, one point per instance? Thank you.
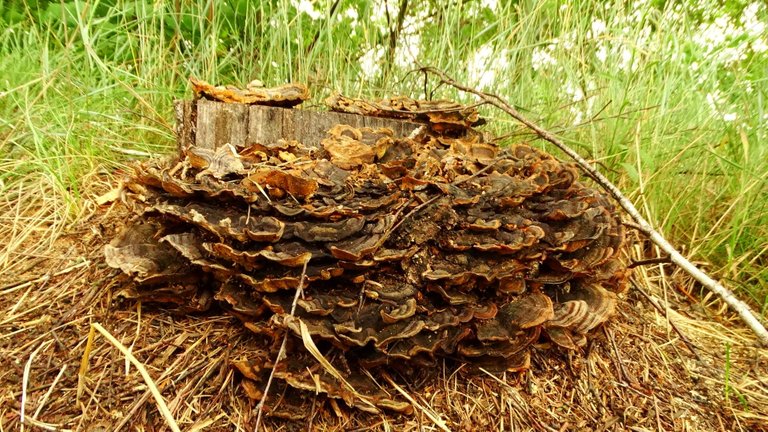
(210, 124)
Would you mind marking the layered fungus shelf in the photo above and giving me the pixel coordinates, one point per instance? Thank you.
(407, 249)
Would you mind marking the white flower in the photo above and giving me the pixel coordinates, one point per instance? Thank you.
(719, 106)
(490, 4)
(749, 19)
(484, 65)
(541, 58)
(575, 91)
(602, 53)
(759, 46)
(380, 11)
(629, 61)
(408, 46)
(714, 100)
(715, 35)
(351, 13)
(408, 51)
(582, 106)
(731, 55)
(598, 27)
(578, 115)
(307, 7)
(370, 62)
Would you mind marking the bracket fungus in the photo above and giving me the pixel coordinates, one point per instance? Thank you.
(435, 245)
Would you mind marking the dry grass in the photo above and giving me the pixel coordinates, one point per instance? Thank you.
(638, 374)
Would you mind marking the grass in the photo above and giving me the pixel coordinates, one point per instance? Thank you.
(653, 96)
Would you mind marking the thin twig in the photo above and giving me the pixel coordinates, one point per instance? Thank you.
(439, 422)
(49, 392)
(634, 226)
(44, 426)
(281, 351)
(741, 308)
(24, 284)
(427, 203)
(25, 380)
(168, 371)
(415, 210)
(132, 411)
(649, 261)
(622, 372)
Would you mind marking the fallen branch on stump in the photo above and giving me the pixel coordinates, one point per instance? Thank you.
(744, 311)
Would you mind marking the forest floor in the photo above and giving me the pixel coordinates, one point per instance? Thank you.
(662, 363)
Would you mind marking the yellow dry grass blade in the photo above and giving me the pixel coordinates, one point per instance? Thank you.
(84, 363)
(436, 419)
(309, 344)
(161, 406)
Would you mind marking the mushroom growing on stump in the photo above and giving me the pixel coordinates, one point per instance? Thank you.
(416, 248)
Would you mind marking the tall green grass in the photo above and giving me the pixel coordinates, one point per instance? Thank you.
(675, 120)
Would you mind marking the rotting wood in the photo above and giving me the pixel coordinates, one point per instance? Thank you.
(186, 124)
(211, 124)
(221, 123)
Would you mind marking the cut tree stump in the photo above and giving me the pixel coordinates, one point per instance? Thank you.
(210, 124)
(395, 253)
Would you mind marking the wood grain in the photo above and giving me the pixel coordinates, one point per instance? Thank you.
(210, 124)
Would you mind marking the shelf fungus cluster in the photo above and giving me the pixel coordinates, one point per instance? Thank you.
(407, 249)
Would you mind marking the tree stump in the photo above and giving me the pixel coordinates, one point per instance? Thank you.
(211, 124)
(386, 234)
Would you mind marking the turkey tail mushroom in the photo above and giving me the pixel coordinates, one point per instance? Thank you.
(439, 245)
